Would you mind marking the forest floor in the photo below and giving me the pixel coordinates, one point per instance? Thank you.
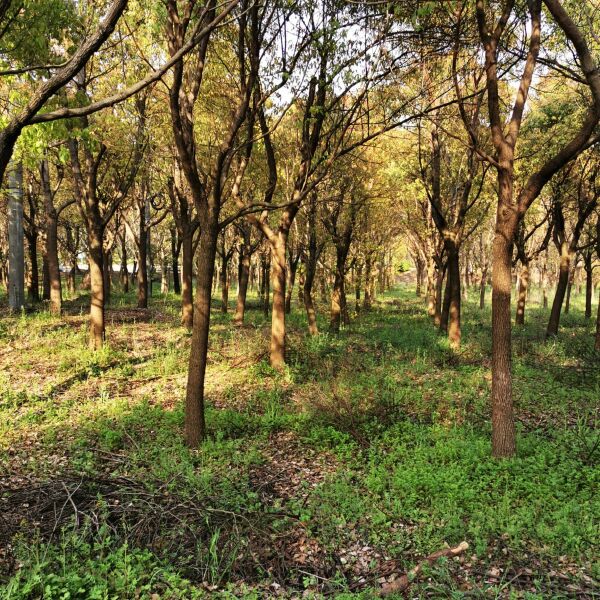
(368, 453)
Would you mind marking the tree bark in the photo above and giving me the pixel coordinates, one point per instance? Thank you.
(142, 243)
(522, 294)
(482, 286)
(559, 294)
(95, 260)
(243, 278)
(107, 275)
(278, 276)
(503, 427)
(454, 300)
(195, 424)
(45, 275)
(187, 307)
(224, 281)
(16, 262)
(124, 273)
(291, 280)
(33, 289)
(175, 250)
(589, 283)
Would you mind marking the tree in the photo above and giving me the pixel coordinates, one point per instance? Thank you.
(510, 210)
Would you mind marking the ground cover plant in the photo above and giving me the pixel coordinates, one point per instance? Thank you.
(359, 460)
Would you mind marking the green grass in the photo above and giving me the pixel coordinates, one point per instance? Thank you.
(392, 426)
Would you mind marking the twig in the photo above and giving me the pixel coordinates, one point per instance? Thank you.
(402, 583)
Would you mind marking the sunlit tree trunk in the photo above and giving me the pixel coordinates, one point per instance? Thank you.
(522, 293)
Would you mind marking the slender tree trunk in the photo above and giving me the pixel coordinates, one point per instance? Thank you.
(107, 276)
(278, 275)
(482, 286)
(357, 283)
(569, 290)
(437, 306)
(292, 268)
(597, 342)
(71, 279)
(45, 277)
(336, 304)
(446, 302)
(589, 284)
(522, 297)
(243, 278)
(545, 281)
(124, 273)
(311, 269)
(96, 260)
(16, 261)
(338, 300)
(142, 274)
(195, 424)
(224, 281)
(454, 302)
(503, 427)
(33, 289)
(187, 307)
(367, 301)
(419, 267)
(266, 289)
(164, 274)
(53, 265)
(175, 250)
(559, 295)
(432, 287)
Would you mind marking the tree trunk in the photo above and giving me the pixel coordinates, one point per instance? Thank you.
(243, 278)
(432, 287)
(224, 280)
(142, 274)
(96, 259)
(164, 275)
(187, 307)
(292, 268)
(503, 427)
(107, 274)
(445, 314)
(419, 267)
(559, 295)
(569, 290)
(33, 289)
(522, 297)
(589, 284)
(175, 249)
(266, 285)
(278, 276)
(367, 297)
(16, 261)
(124, 273)
(597, 343)
(545, 281)
(45, 277)
(437, 306)
(338, 301)
(357, 282)
(195, 424)
(482, 286)
(71, 280)
(454, 326)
